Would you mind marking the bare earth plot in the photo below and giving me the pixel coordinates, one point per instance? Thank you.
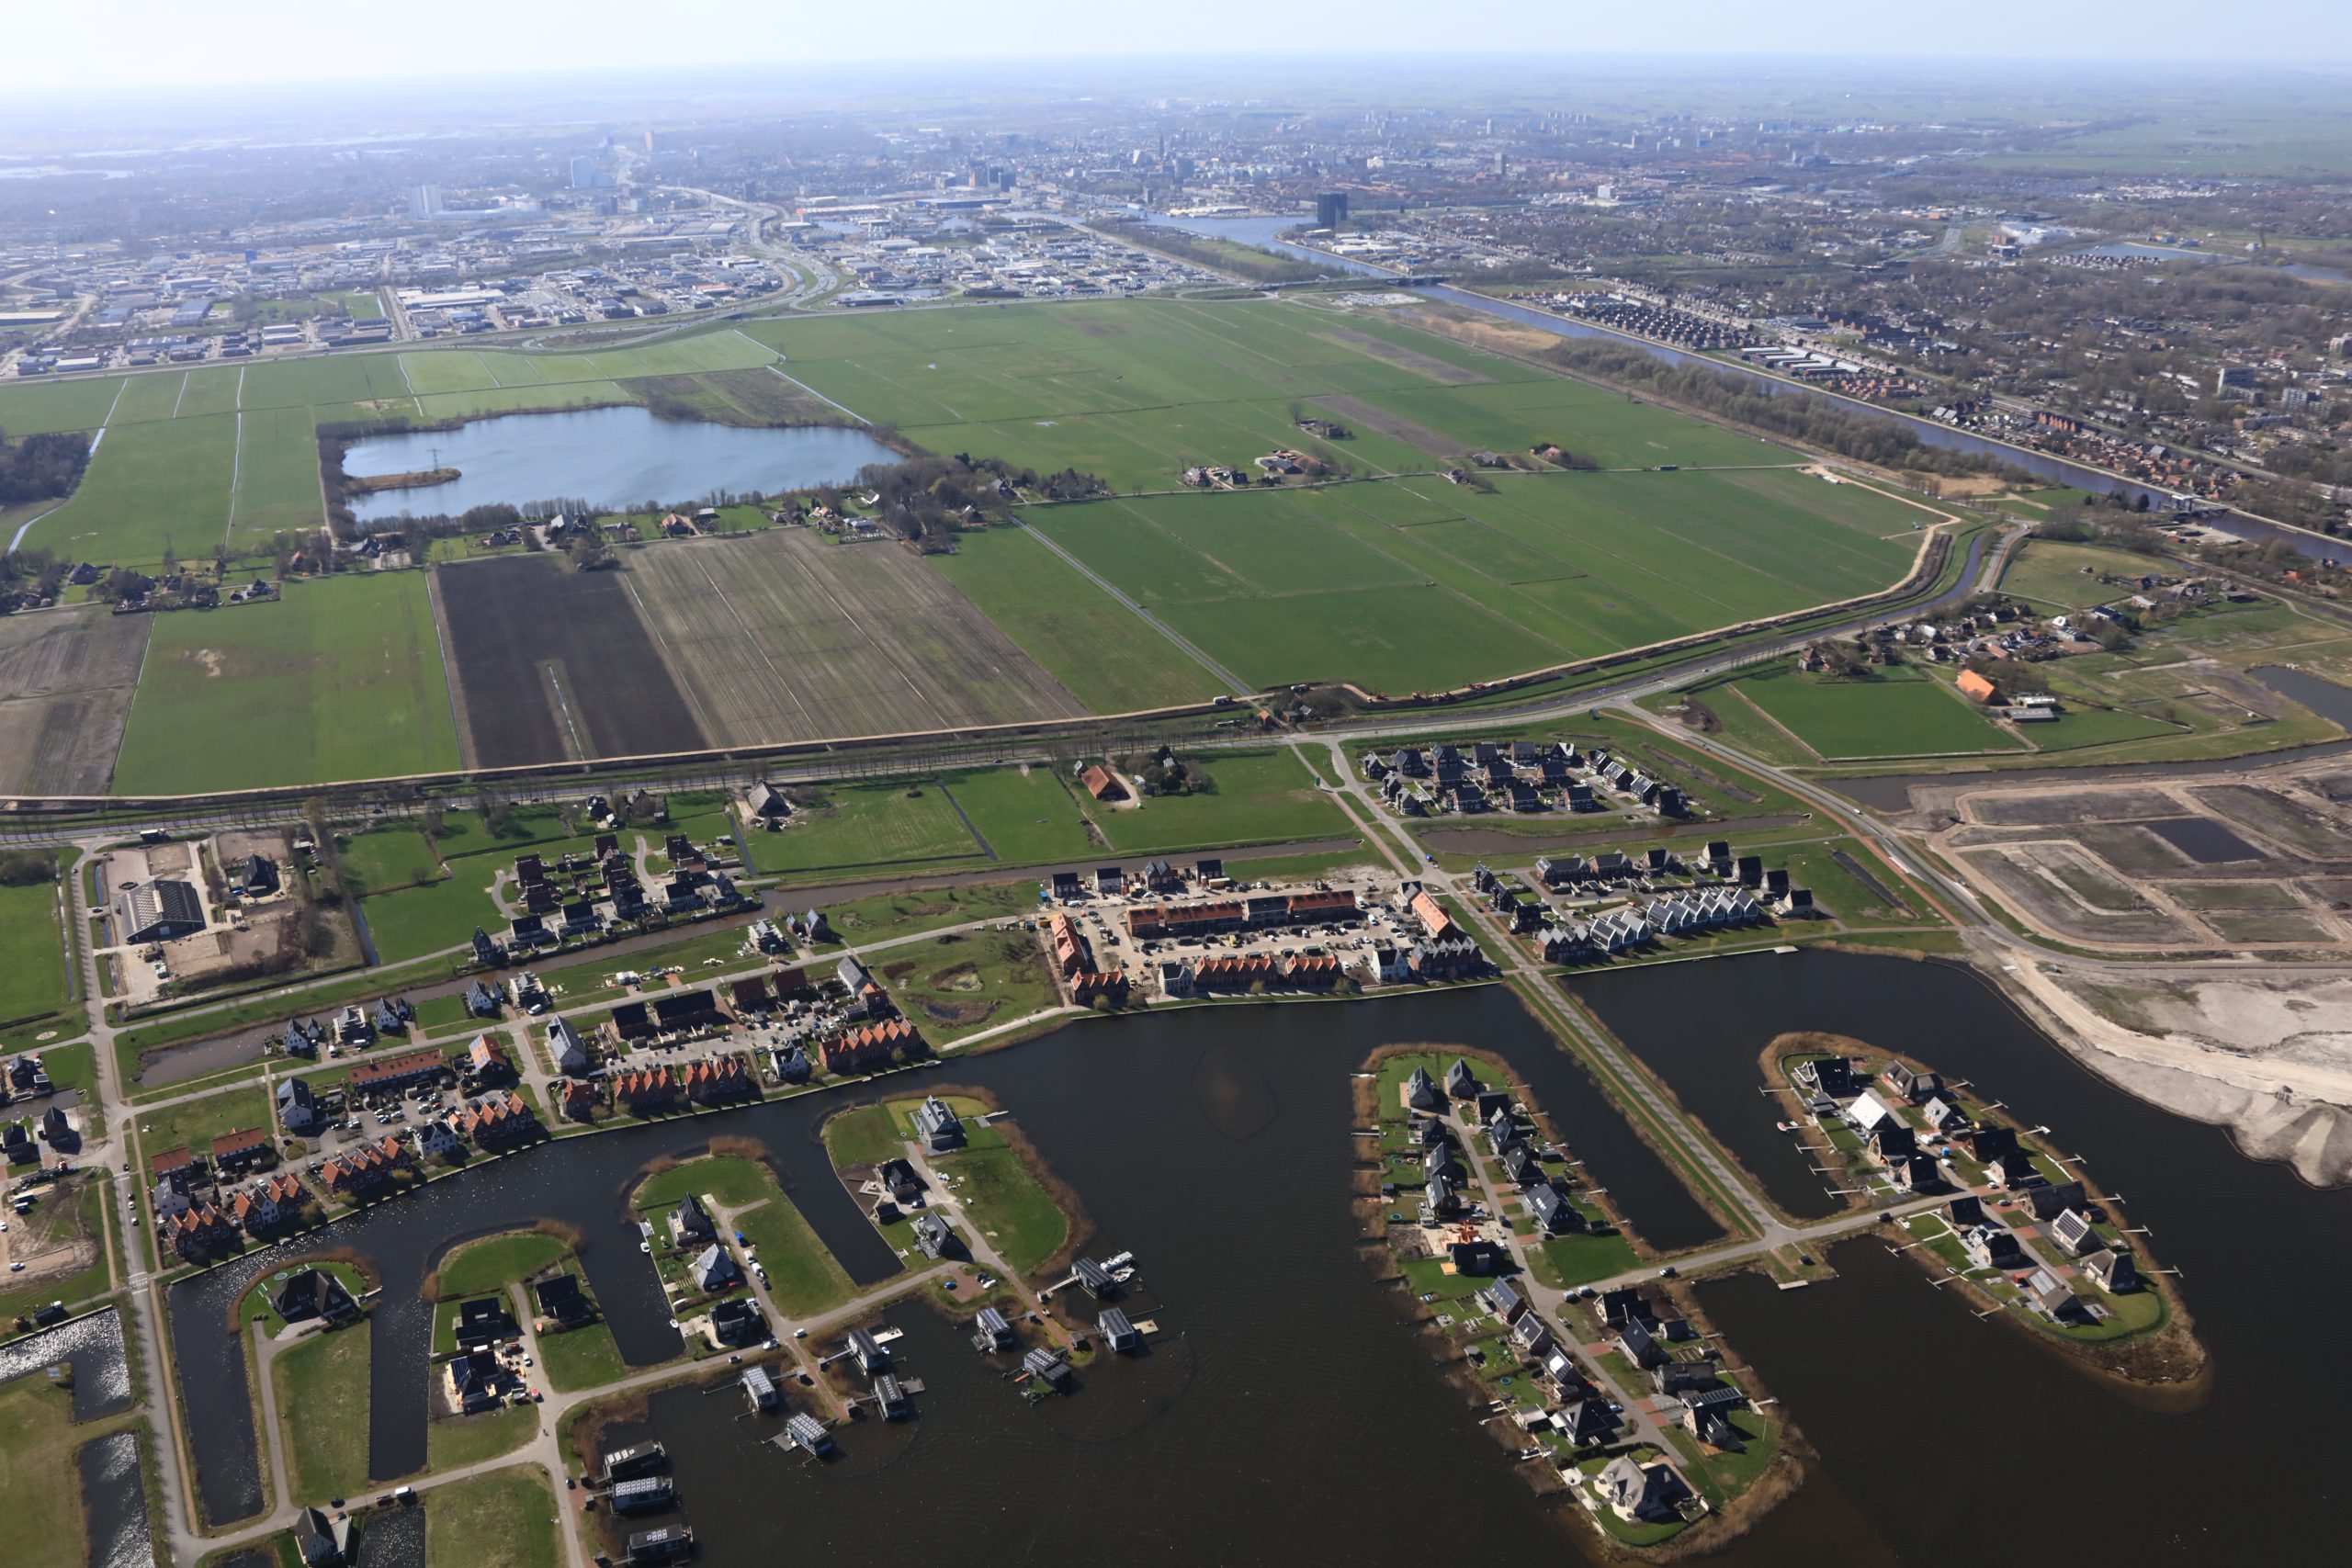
(548, 663)
(65, 683)
(782, 635)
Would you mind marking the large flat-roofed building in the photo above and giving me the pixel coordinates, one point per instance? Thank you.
(158, 911)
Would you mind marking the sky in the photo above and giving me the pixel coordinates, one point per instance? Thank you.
(99, 44)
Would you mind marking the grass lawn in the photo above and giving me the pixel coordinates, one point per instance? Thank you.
(804, 1277)
(32, 953)
(1253, 797)
(455, 1441)
(581, 1357)
(1903, 711)
(503, 1520)
(193, 1125)
(1000, 1193)
(479, 1267)
(870, 825)
(1567, 1260)
(386, 858)
(964, 981)
(1028, 816)
(730, 1178)
(888, 915)
(867, 1135)
(414, 921)
(323, 1402)
(340, 680)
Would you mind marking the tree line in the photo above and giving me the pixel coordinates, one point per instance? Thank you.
(42, 467)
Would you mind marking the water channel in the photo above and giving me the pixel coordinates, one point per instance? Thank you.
(1217, 1147)
(609, 457)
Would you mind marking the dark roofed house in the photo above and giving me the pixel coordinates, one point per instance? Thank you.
(159, 910)
(483, 1321)
(1118, 1333)
(2050, 1200)
(313, 1294)
(562, 1301)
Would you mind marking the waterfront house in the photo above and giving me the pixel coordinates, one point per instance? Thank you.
(646, 1493)
(313, 1294)
(737, 1321)
(759, 1389)
(690, 1223)
(938, 1125)
(898, 1178)
(2048, 1201)
(2051, 1297)
(2074, 1231)
(577, 1097)
(1945, 1115)
(714, 1269)
(934, 1237)
(1587, 1422)
(1640, 1346)
(483, 1321)
(1520, 1164)
(562, 1303)
(1461, 1083)
(1912, 1085)
(1501, 1300)
(436, 1140)
(1477, 1258)
(1553, 1211)
(1532, 1336)
(1987, 1145)
(1964, 1211)
(627, 1463)
(1118, 1334)
(1867, 1111)
(990, 1332)
(1439, 1202)
(1046, 1365)
(202, 1233)
(867, 1352)
(643, 1090)
(715, 1079)
(1624, 1305)
(1634, 1491)
(1992, 1247)
(1095, 1279)
(2112, 1270)
(1419, 1091)
(1679, 1378)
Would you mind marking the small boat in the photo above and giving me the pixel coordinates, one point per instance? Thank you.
(1786, 1126)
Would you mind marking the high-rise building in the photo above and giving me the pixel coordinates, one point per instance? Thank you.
(1331, 209)
(424, 201)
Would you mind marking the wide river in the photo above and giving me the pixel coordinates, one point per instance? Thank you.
(609, 457)
(1216, 1145)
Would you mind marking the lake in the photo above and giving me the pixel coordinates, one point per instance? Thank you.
(1287, 1413)
(611, 458)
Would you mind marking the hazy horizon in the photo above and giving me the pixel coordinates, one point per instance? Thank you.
(148, 44)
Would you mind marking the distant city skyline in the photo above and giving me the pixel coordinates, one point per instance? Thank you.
(150, 43)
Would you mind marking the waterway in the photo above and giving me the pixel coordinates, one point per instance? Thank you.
(1216, 1145)
(610, 458)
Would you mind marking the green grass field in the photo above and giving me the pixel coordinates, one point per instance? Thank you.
(1904, 712)
(506, 1518)
(32, 953)
(386, 858)
(341, 679)
(324, 1396)
(1027, 814)
(998, 1189)
(477, 1266)
(412, 921)
(1254, 797)
(40, 1485)
(277, 484)
(869, 824)
(150, 488)
(2062, 576)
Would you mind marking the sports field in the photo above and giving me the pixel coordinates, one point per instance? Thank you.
(341, 679)
(1903, 711)
(784, 635)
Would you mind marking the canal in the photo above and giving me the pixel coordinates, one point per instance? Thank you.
(1216, 1145)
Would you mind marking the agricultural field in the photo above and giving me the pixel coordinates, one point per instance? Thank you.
(1903, 711)
(66, 691)
(1101, 654)
(1248, 797)
(863, 826)
(340, 679)
(549, 663)
(1413, 583)
(277, 476)
(786, 635)
(150, 488)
